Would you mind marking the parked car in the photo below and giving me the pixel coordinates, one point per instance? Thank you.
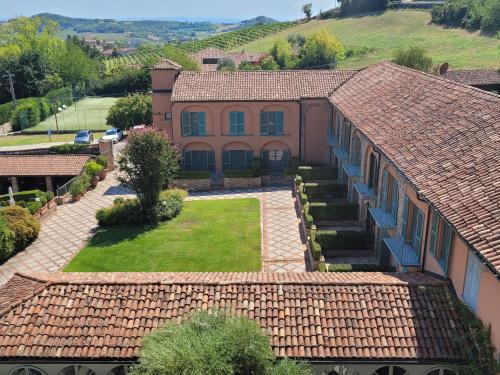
(113, 134)
(84, 137)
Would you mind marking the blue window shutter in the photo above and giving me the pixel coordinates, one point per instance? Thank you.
(279, 123)
(394, 199)
(434, 233)
(445, 247)
(248, 159)
(286, 158)
(187, 157)
(418, 227)
(472, 281)
(241, 123)
(383, 192)
(404, 219)
(186, 124)
(201, 123)
(226, 159)
(263, 124)
(210, 160)
(233, 121)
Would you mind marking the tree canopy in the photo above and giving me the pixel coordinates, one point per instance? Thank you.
(212, 343)
(135, 109)
(321, 50)
(307, 10)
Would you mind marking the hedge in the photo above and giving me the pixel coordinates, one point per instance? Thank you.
(315, 249)
(317, 173)
(321, 211)
(235, 173)
(6, 112)
(343, 240)
(28, 195)
(59, 97)
(193, 175)
(320, 191)
(347, 267)
(67, 148)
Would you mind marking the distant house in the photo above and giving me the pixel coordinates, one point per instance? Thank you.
(120, 51)
(209, 58)
(484, 79)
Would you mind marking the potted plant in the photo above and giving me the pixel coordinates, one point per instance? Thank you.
(102, 161)
(76, 190)
(93, 169)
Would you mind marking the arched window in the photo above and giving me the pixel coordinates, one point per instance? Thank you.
(26, 370)
(441, 371)
(119, 370)
(340, 370)
(391, 370)
(76, 370)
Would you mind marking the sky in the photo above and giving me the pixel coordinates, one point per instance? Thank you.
(162, 9)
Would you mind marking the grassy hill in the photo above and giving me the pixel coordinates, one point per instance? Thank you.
(383, 33)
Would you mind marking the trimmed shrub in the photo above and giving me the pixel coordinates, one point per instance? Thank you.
(334, 212)
(121, 212)
(28, 195)
(24, 226)
(315, 249)
(102, 160)
(33, 207)
(193, 175)
(298, 180)
(166, 194)
(26, 115)
(236, 173)
(344, 240)
(317, 173)
(317, 191)
(67, 148)
(6, 111)
(170, 204)
(309, 220)
(93, 169)
(346, 267)
(7, 240)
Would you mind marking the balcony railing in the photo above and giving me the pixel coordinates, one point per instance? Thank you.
(382, 218)
(404, 254)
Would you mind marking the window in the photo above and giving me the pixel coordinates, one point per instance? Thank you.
(391, 370)
(346, 136)
(168, 116)
(440, 240)
(119, 370)
(26, 370)
(356, 152)
(237, 123)
(338, 121)
(198, 160)
(271, 123)
(76, 370)
(373, 173)
(237, 159)
(193, 124)
(472, 281)
(412, 225)
(389, 195)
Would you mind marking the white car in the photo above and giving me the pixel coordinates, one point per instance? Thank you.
(114, 135)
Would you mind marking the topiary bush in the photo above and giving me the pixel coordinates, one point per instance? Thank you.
(309, 173)
(330, 240)
(334, 212)
(317, 191)
(24, 226)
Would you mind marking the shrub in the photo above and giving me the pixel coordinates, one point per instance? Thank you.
(93, 169)
(170, 204)
(26, 115)
(33, 207)
(135, 109)
(67, 148)
(45, 109)
(314, 245)
(317, 191)
(298, 180)
(414, 57)
(80, 184)
(29, 195)
(166, 194)
(24, 226)
(236, 173)
(344, 240)
(7, 240)
(309, 220)
(102, 160)
(6, 111)
(59, 97)
(193, 175)
(334, 212)
(317, 173)
(121, 212)
(347, 267)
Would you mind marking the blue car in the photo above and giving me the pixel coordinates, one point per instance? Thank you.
(84, 137)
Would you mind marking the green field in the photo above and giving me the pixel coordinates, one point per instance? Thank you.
(23, 140)
(207, 236)
(385, 32)
(88, 113)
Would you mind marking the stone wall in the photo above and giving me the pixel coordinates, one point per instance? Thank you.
(192, 184)
(247, 182)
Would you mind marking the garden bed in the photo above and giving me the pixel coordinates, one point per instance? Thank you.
(192, 181)
(308, 173)
(234, 179)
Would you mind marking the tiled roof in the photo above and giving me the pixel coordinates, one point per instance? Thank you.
(288, 85)
(311, 315)
(443, 136)
(166, 64)
(42, 165)
(474, 77)
(215, 53)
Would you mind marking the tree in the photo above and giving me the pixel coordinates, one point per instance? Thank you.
(307, 10)
(135, 109)
(226, 65)
(321, 51)
(212, 343)
(491, 16)
(246, 65)
(282, 53)
(269, 64)
(414, 57)
(148, 163)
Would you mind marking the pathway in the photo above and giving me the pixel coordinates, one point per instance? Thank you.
(64, 233)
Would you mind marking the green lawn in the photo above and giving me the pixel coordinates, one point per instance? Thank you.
(22, 140)
(385, 32)
(88, 113)
(208, 236)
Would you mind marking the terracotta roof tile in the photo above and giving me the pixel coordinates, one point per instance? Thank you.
(166, 64)
(290, 85)
(42, 165)
(314, 315)
(474, 77)
(445, 139)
